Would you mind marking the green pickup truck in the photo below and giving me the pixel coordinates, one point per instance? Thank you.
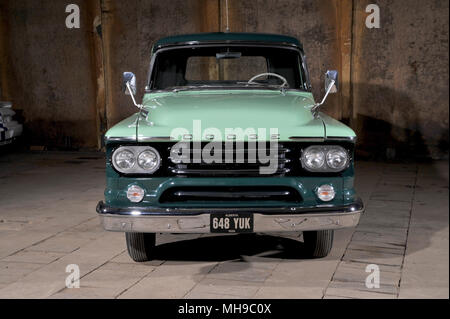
(228, 139)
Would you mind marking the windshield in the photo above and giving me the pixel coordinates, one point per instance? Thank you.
(226, 66)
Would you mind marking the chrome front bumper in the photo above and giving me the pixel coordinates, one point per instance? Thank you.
(187, 220)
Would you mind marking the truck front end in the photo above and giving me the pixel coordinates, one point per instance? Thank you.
(211, 153)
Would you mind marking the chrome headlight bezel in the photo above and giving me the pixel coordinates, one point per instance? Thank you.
(311, 150)
(158, 160)
(325, 167)
(115, 160)
(136, 168)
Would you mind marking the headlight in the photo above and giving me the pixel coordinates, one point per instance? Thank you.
(325, 158)
(314, 158)
(149, 160)
(136, 159)
(337, 158)
(124, 159)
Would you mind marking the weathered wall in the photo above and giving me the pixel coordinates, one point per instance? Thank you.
(130, 29)
(400, 78)
(315, 23)
(47, 72)
(393, 80)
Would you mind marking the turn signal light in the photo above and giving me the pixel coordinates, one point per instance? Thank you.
(135, 193)
(326, 193)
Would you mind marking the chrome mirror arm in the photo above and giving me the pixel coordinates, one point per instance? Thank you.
(314, 109)
(139, 106)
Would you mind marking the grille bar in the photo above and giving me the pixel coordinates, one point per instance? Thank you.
(249, 194)
(230, 193)
(215, 172)
(239, 164)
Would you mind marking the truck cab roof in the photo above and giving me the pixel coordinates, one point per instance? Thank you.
(227, 37)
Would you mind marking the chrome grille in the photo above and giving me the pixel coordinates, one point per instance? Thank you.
(237, 159)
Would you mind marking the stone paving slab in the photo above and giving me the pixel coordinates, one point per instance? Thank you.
(356, 272)
(290, 292)
(13, 242)
(240, 271)
(214, 288)
(51, 278)
(426, 268)
(385, 289)
(170, 280)
(354, 293)
(84, 293)
(61, 243)
(29, 256)
(370, 236)
(373, 257)
(377, 242)
(11, 271)
(99, 280)
(376, 247)
(384, 220)
(393, 207)
(126, 259)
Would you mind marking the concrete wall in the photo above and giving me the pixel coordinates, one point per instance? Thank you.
(400, 78)
(129, 33)
(394, 80)
(46, 71)
(314, 23)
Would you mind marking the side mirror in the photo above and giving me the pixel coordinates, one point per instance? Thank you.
(129, 83)
(331, 86)
(330, 76)
(129, 86)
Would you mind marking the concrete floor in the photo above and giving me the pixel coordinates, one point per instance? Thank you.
(48, 221)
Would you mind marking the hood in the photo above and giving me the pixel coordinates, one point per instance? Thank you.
(287, 113)
(124, 130)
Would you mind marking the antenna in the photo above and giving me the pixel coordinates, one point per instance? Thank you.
(227, 29)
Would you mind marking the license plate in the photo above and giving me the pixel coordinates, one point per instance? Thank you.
(231, 223)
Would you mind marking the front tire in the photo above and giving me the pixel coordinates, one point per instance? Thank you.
(141, 246)
(318, 243)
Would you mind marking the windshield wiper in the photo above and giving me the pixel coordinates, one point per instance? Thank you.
(190, 87)
(243, 85)
(246, 84)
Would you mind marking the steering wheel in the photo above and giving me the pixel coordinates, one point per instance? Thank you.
(269, 74)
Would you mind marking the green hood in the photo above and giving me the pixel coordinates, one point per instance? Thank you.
(244, 109)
